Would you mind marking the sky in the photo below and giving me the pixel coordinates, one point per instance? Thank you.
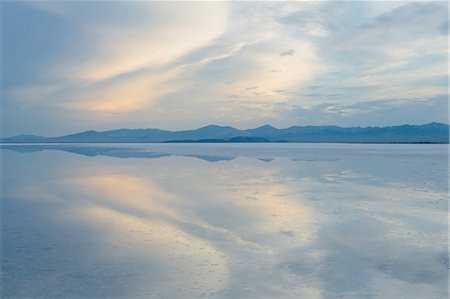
(75, 66)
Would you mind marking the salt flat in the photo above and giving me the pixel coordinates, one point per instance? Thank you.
(265, 220)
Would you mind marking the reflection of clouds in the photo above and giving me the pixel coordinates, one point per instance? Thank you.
(277, 217)
(177, 262)
(380, 240)
(137, 216)
(181, 226)
(271, 213)
(127, 192)
(357, 260)
(258, 218)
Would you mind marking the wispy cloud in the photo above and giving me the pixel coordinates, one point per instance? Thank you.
(185, 64)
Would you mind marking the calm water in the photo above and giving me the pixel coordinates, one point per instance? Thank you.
(225, 221)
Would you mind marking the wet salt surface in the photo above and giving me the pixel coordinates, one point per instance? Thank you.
(225, 221)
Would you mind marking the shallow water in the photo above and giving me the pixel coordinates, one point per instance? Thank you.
(225, 221)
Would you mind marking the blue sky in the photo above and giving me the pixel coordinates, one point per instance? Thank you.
(72, 66)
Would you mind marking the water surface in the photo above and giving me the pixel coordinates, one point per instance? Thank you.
(224, 221)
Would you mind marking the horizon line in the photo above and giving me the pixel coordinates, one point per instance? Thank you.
(228, 126)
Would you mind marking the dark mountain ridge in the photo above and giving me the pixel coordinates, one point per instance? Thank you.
(428, 133)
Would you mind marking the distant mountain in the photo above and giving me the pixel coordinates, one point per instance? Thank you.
(429, 133)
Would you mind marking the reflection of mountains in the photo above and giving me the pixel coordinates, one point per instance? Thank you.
(116, 152)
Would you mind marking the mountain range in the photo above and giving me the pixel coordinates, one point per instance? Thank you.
(428, 133)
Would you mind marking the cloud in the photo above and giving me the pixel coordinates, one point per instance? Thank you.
(258, 63)
(374, 50)
(131, 36)
(289, 52)
(126, 95)
(180, 65)
(381, 112)
(417, 18)
(131, 46)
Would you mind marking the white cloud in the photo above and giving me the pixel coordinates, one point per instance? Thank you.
(126, 36)
(185, 64)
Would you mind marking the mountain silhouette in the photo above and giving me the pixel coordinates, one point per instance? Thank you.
(428, 133)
